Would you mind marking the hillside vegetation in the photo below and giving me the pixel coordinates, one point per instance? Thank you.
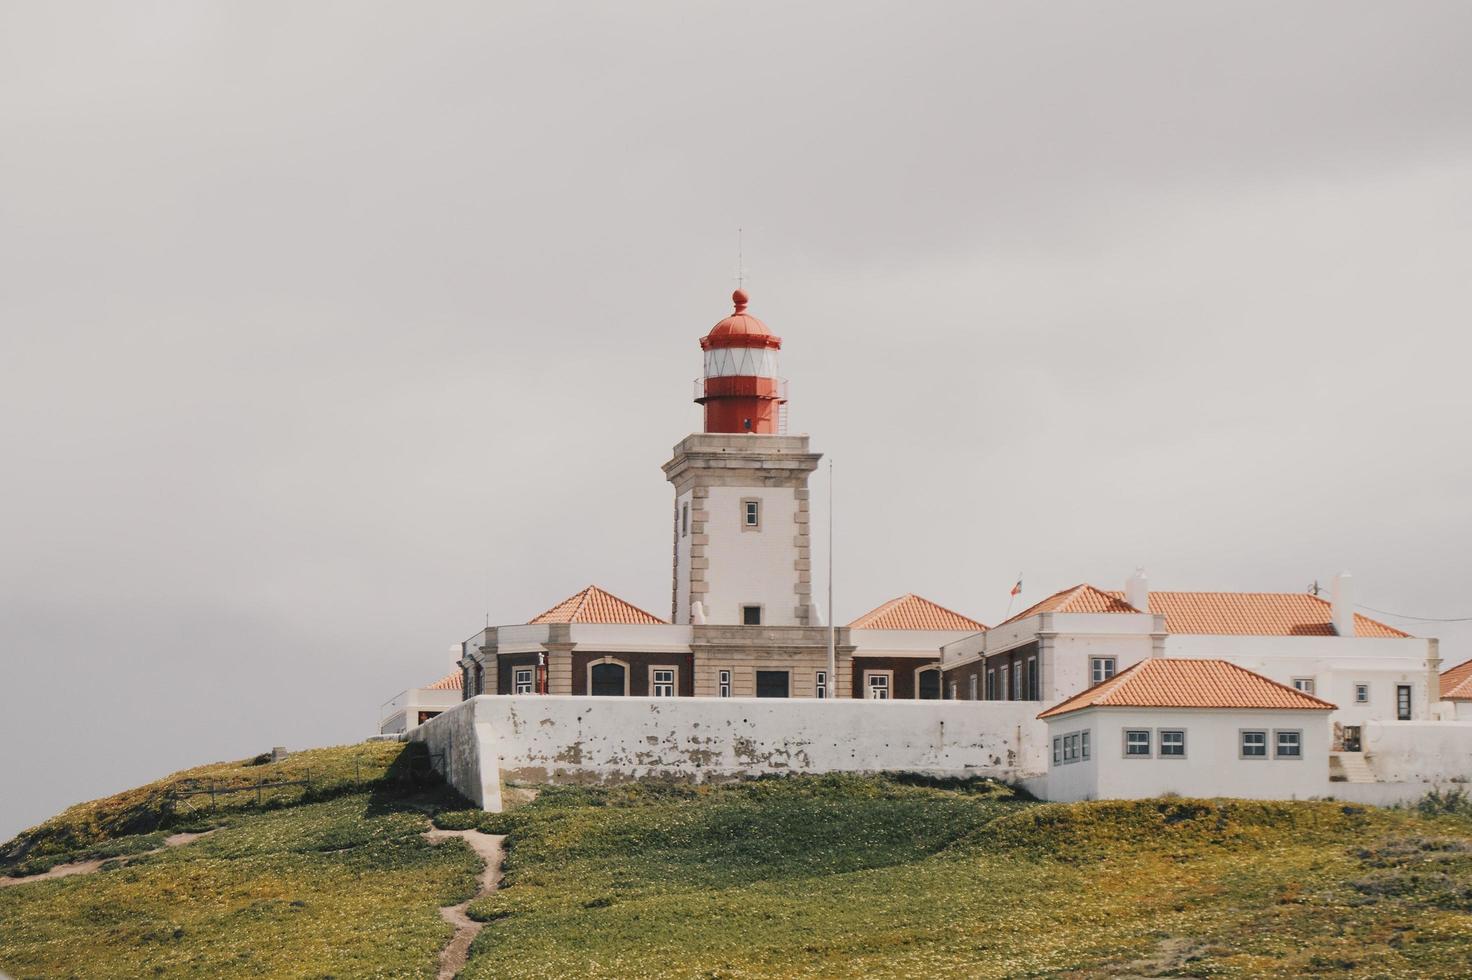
(828, 876)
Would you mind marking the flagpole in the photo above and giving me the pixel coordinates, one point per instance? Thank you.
(832, 647)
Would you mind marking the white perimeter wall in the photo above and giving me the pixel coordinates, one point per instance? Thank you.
(577, 739)
(1433, 752)
(751, 566)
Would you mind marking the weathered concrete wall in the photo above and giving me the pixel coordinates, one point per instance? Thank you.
(1428, 752)
(576, 739)
(462, 745)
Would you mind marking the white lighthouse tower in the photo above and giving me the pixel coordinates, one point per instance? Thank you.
(742, 555)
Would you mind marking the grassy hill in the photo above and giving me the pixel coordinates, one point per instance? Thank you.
(817, 876)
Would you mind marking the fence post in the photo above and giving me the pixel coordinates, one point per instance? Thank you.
(212, 795)
(258, 792)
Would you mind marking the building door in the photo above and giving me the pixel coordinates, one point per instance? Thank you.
(609, 680)
(1403, 702)
(772, 684)
(1351, 738)
(929, 685)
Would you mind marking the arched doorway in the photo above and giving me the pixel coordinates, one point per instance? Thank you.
(608, 679)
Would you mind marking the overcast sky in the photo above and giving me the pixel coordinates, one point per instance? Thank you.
(328, 330)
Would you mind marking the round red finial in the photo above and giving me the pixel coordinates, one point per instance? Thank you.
(739, 297)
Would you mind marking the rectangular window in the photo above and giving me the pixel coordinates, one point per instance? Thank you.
(1070, 748)
(1101, 669)
(991, 684)
(1004, 685)
(1304, 684)
(1017, 683)
(1288, 744)
(1172, 743)
(684, 519)
(751, 615)
(878, 686)
(522, 680)
(820, 684)
(662, 682)
(1403, 702)
(1083, 745)
(1254, 744)
(1362, 694)
(953, 692)
(773, 684)
(1057, 750)
(1137, 743)
(971, 687)
(1032, 678)
(751, 513)
(724, 685)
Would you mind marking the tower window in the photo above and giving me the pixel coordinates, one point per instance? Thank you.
(684, 519)
(725, 684)
(751, 514)
(751, 615)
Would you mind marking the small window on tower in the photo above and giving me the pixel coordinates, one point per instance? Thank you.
(751, 615)
(751, 513)
(684, 519)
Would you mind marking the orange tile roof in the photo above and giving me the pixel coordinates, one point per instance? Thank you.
(1078, 599)
(1255, 614)
(593, 605)
(1456, 684)
(1163, 682)
(913, 612)
(450, 682)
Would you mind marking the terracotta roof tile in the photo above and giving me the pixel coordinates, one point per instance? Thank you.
(593, 605)
(1078, 599)
(913, 612)
(1162, 682)
(1456, 684)
(450, 682)
(1255, 614)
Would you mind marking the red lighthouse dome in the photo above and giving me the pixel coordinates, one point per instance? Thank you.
(741, 391)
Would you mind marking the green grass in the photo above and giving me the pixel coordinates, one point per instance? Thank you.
(818, 876)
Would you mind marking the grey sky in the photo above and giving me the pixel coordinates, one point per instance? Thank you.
(326, 329)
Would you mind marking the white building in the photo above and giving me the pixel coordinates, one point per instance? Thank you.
(1200, 728)
(419, 704)
(1456, 692)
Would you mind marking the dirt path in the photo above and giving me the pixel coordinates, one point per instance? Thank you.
(87, 867)
(490, 849)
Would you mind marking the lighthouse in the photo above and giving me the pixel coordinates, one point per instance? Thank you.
(740, 390)
(742, 554)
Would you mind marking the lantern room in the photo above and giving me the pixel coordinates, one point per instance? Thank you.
(741, 391)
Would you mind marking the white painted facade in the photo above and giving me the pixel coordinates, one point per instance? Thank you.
(1213, 764)
(751, 565)
(402, 712)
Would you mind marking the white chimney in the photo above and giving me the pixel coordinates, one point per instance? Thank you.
(1137, 591)
(697, 613)
(1343, 604)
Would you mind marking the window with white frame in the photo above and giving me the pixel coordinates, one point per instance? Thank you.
(1288, 744)
(1254, 743)
(1003, 689)
(662, 682)
(1057, 749)
(1304, 684)
(751, 513)
(522, 680)
(1071, 747)
(724, 685)
(953, 690)
(1137, 743)
(1101, 669)
(878, 685)
(1017, 683)
(1172, 743)
(1032, 678)
(991, 684)
(820, 684)
(1362, 694)
(971, 687)
(1083, 742)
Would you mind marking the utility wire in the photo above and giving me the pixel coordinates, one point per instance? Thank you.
(1423, 619)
